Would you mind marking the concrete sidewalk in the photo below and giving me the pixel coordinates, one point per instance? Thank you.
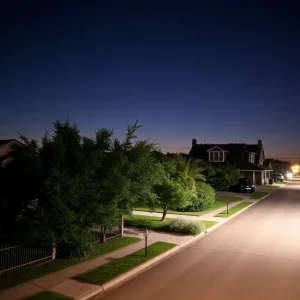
(62, 281)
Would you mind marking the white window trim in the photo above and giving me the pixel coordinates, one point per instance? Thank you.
(213, 154)
(252, 157)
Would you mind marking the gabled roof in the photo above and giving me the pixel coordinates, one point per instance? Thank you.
(234, 156)
(215, 148)
(3, 142)
(248, 166)
(253, 148)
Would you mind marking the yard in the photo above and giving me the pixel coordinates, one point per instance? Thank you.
(220, 202)
(111, 270)
(259, 195)
(155, 223)
(233, 210)
(37, 271)
(276, 185)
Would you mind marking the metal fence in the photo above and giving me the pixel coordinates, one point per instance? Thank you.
(15, 257)
(111, 233)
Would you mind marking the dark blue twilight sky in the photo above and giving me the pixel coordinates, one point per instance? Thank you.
(228, 72)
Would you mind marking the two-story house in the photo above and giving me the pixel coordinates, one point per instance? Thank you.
(248, 158)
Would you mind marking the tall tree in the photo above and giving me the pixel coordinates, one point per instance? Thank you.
(127, 177)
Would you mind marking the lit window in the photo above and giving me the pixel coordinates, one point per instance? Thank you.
(251, 157)
(216, 156)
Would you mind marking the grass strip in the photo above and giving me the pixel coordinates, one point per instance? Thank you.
(233, 210)
(113, 269)
(259, 195)
(34, 272)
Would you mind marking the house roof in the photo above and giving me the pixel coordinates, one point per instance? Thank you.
(235, 154)
(3, 142)
(253, 148)
(235, 151)
(248, 166)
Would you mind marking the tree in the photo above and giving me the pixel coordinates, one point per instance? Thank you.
(178, 187)
(70, 183)
(191, 169)
(20, 188)
(126, 178)
(223, 177)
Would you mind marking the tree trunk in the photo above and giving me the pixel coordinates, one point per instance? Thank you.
(121, 227)
(165, 208)
(102, 234)
(53, 251)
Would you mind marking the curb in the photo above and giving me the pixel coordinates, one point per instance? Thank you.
(118, 280)
(114, 283)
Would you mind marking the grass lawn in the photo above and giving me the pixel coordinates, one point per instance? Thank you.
(258, 195)
(220, 202)
(34, 272)
(154, 223)
(115, 268)
(275, 185)
(233, 210)
(48, 296)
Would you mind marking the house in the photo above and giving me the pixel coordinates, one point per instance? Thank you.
(5, 150)
(248, 158)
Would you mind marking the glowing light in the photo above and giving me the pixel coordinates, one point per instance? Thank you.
(295, 169)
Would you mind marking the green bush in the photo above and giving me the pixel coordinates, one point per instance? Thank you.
(76, 247)
(206, 196)
(186, 226)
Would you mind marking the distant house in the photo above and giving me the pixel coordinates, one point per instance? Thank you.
(248, 158)
(5, 150)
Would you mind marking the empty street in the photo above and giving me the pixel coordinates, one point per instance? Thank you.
(254, 256)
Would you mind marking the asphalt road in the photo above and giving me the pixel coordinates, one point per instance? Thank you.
(254, 256)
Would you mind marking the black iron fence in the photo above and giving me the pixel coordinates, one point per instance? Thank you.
(111, 233)
(15, 257)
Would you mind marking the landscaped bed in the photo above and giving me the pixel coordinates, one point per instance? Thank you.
(233, 210)
(37, 271)
(113, 269)
(259, 195)
(48, 296)
(155, 223)
(220, 202)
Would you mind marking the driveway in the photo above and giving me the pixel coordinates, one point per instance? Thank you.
(255, 256)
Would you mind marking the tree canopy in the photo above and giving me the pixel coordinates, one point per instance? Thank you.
(58, 190)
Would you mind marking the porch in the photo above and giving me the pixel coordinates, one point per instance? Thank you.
(259, 177)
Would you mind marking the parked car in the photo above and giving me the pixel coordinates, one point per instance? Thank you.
(243, 185)
(278, 177)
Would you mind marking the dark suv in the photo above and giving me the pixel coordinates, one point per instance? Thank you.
(243, 185)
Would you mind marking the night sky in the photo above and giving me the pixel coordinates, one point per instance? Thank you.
(228, 72)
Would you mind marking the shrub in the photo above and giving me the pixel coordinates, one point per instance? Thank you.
(76, 247)
(186, 226)
(205, 199)
(206, 196)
